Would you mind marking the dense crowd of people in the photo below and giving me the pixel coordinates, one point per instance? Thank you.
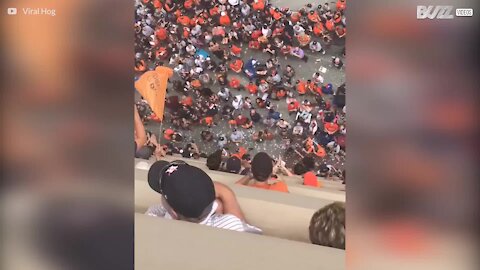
(204, 42)
(218, 80)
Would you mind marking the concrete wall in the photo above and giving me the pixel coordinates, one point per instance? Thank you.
(169, 244)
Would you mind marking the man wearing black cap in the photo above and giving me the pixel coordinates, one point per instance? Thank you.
(189, 194)
(262, 169)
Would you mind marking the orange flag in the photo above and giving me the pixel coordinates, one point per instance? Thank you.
(152, 85)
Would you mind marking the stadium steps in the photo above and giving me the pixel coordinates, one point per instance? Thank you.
(170, 244)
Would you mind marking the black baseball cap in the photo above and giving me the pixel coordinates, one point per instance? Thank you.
(233, 165)
(187, 189)
(262, 166)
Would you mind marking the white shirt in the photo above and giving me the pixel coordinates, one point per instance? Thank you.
(227, 221)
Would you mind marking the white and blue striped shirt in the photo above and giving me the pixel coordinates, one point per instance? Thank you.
(226, 221)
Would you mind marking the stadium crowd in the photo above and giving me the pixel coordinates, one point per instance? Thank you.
(216, 79)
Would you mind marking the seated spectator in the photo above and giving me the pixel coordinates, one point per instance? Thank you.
(214, 160)
(206, 135)
(262, 169)
(327, 226)
(247, 167)
(189, 194)
(237, 136)
(256, 117)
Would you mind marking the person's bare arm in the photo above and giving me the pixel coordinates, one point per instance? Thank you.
(244, 180)
(140, 134)
(229, 201)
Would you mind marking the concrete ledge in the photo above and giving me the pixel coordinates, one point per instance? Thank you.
(168, 244)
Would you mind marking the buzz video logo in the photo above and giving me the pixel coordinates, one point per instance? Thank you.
(442, 12)
(434, 12)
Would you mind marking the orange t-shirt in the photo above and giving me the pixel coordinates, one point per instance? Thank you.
(225, 20)
(252, 88)
(321, 152)
(260, 5)
(295, 17)
(330, 25)
(157, 4)
(234, 83)
(318, 29)
(310, 179)
(209, 120)
(241, 152)
(277, 186)
(341, 5)
(236, 50)
(331, 128)
(313, 17)
(162, 33)
(184, 20)
(236, 65)
(302, 88)
(213, 11)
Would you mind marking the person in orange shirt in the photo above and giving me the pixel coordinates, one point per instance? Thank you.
(241, 151)
(235, 83)
(320, 152)
(236, 66)
(301, 87)
(161, 34)
(196, 84)
(341, 5)
(184, 20)
(295, 17)
(224, 19)
(276, 14)
(293, 107)
(330, 25)
(235, 50)
(188, 4)
(281, 93)
(262, 169)
(318, 29)
(157, 4)
(208, 121)
(303, 39)
(313, 17)
(311, 86)
(252, 88)
(258, 5)
(331, 128)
